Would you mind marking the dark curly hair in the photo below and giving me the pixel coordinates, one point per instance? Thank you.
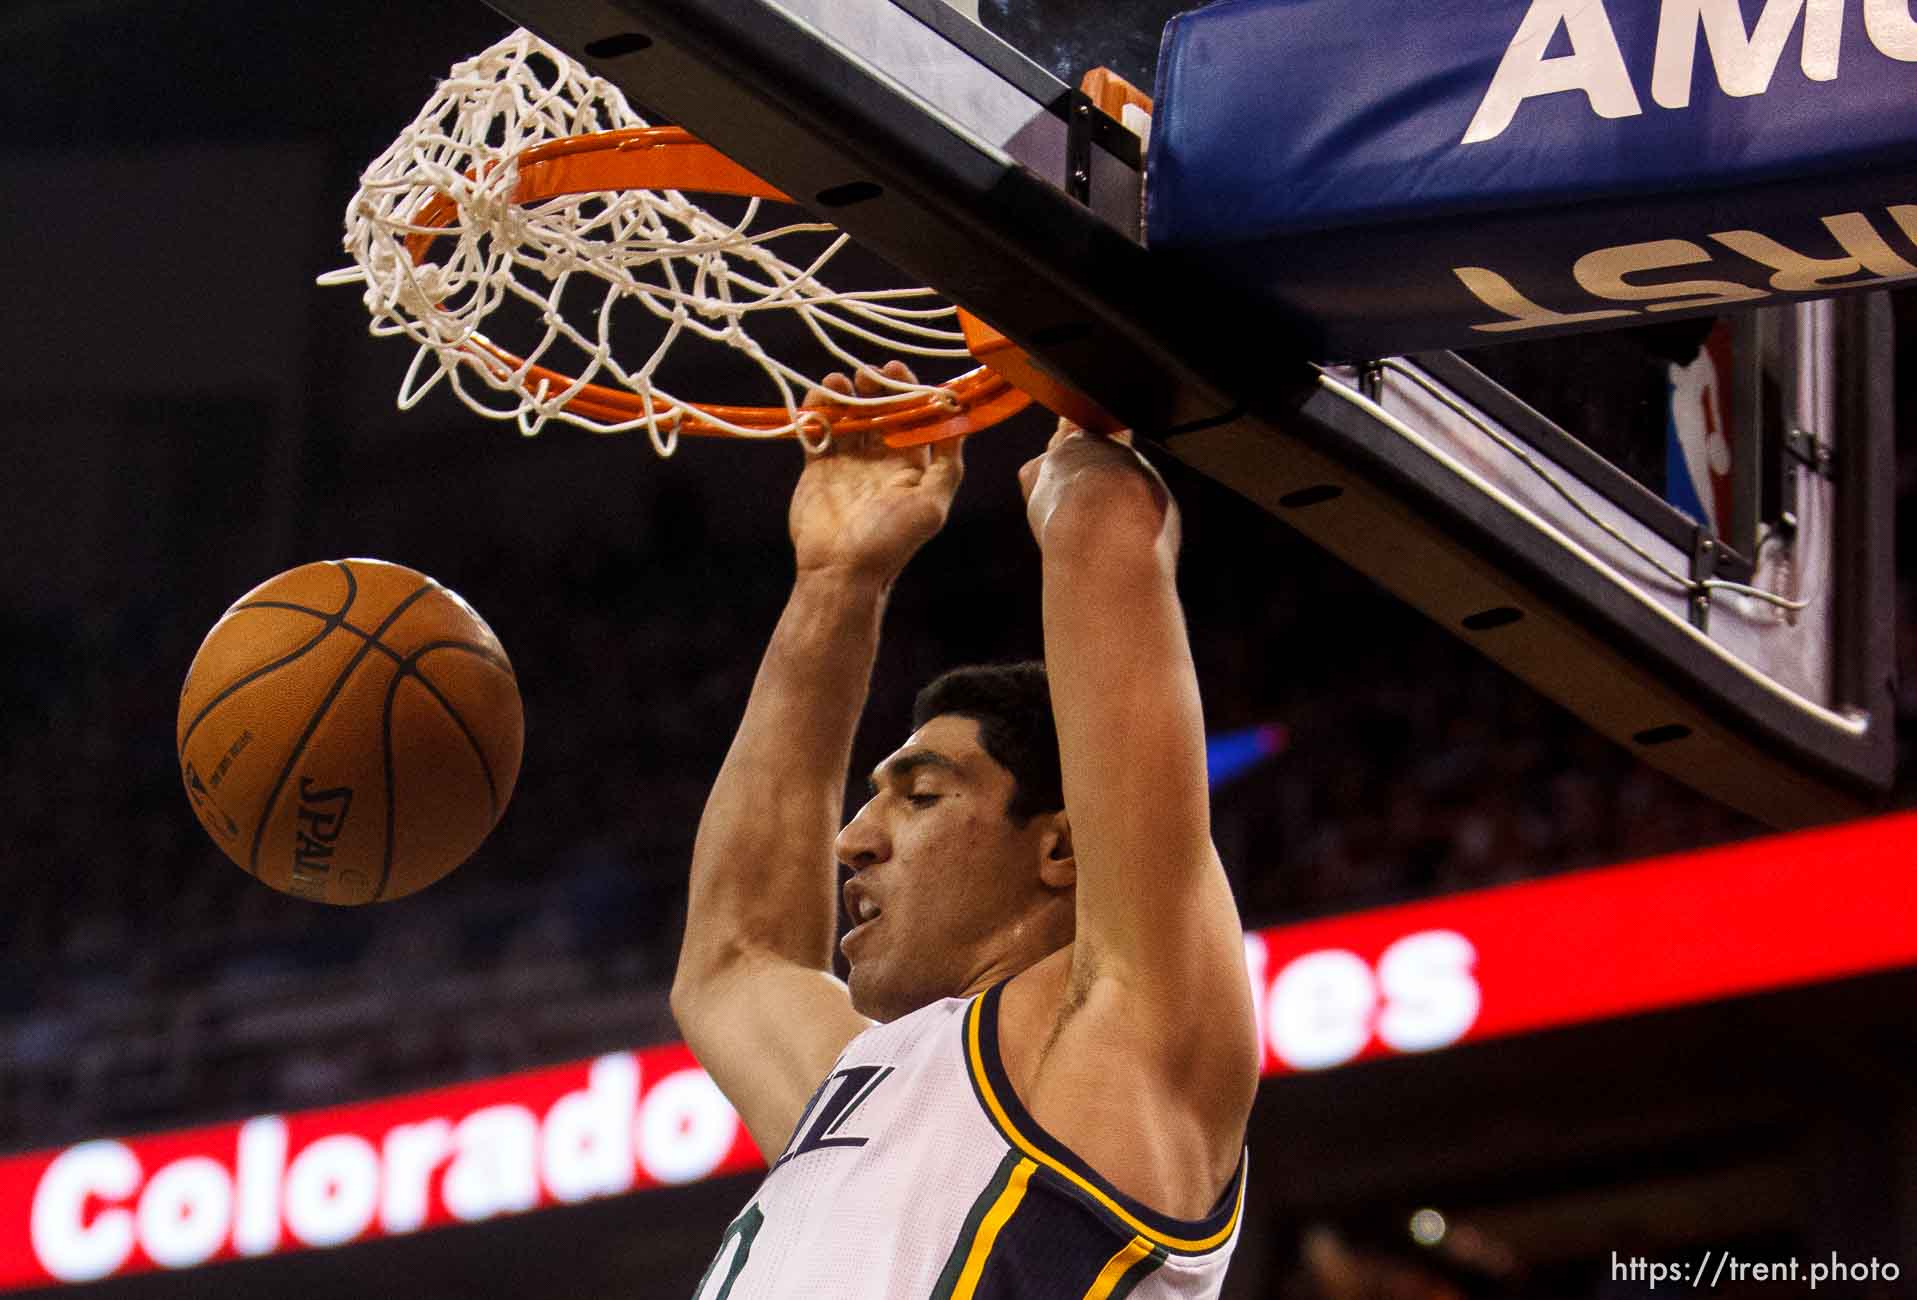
(1012, 704)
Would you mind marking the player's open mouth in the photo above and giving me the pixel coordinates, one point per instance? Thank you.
(863, 913)
(859, 904)
(856, 935)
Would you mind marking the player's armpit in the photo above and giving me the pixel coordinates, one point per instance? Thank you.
(767, 1031)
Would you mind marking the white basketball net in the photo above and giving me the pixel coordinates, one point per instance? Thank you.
(653, 251)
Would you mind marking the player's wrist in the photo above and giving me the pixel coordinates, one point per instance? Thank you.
(848, 583)
(1111, 507)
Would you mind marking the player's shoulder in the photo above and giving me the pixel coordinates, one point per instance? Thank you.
(1159, 1110)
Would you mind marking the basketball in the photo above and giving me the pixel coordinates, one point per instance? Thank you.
(349, 731)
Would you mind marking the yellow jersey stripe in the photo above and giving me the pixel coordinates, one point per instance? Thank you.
(1116, 1267)
(988, 1230)
(975, 1060)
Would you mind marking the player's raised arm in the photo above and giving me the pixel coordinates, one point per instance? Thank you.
(754, 992)
(1158, 936)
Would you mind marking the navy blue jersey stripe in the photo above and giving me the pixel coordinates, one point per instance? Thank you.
(993, 1089)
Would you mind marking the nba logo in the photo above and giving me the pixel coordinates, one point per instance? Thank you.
(1699, 440)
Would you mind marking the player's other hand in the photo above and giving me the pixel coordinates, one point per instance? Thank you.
(1079, 468)
(862, 508)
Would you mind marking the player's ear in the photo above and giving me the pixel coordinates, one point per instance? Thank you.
(1056, 866)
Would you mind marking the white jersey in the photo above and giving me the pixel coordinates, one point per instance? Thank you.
(915, 1174)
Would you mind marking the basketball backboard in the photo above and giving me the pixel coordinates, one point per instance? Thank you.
(971, 165)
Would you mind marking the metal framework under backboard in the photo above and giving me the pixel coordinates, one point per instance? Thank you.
(962, 179)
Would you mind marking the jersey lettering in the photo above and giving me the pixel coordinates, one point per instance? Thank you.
(841, 1094)
(738, 1235)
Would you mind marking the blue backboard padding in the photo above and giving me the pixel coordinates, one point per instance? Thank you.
(1317, 148)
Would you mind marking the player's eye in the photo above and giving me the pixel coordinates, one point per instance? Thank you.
(921, 800)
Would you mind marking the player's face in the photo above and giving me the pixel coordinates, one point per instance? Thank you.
(945, 894)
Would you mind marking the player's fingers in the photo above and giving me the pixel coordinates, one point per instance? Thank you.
(858, 442)
(819, 436)
(814, 432)
(1028, 476)
(1067, 429)
(884, 381)
(836, 384)
(947, 465)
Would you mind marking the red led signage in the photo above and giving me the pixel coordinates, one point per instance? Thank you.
(1586, 946)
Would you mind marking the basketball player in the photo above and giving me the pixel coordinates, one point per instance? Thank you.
(1036, 1080)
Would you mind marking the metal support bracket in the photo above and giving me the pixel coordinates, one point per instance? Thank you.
(1806, 450)
(1801, 451)
(1705, 553)
(1086, 124)
(1079, 115)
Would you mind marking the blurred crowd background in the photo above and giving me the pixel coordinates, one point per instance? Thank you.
(145, 979)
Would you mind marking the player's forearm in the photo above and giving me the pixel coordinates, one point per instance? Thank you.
(1124, 687)
(1125, 698)
(763, 878)
(1110, 606)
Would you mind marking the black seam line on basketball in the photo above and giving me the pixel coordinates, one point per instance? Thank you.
(496, 660)
(331, 621)
(386, 771)
(312, 725)
(485, 653)
(287, 604)
(342, 624)
(409, 667)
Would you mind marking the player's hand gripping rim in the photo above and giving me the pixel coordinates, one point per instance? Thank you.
(1074, 460)
(861, 508)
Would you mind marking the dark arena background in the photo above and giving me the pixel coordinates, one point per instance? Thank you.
(1540, 1021)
